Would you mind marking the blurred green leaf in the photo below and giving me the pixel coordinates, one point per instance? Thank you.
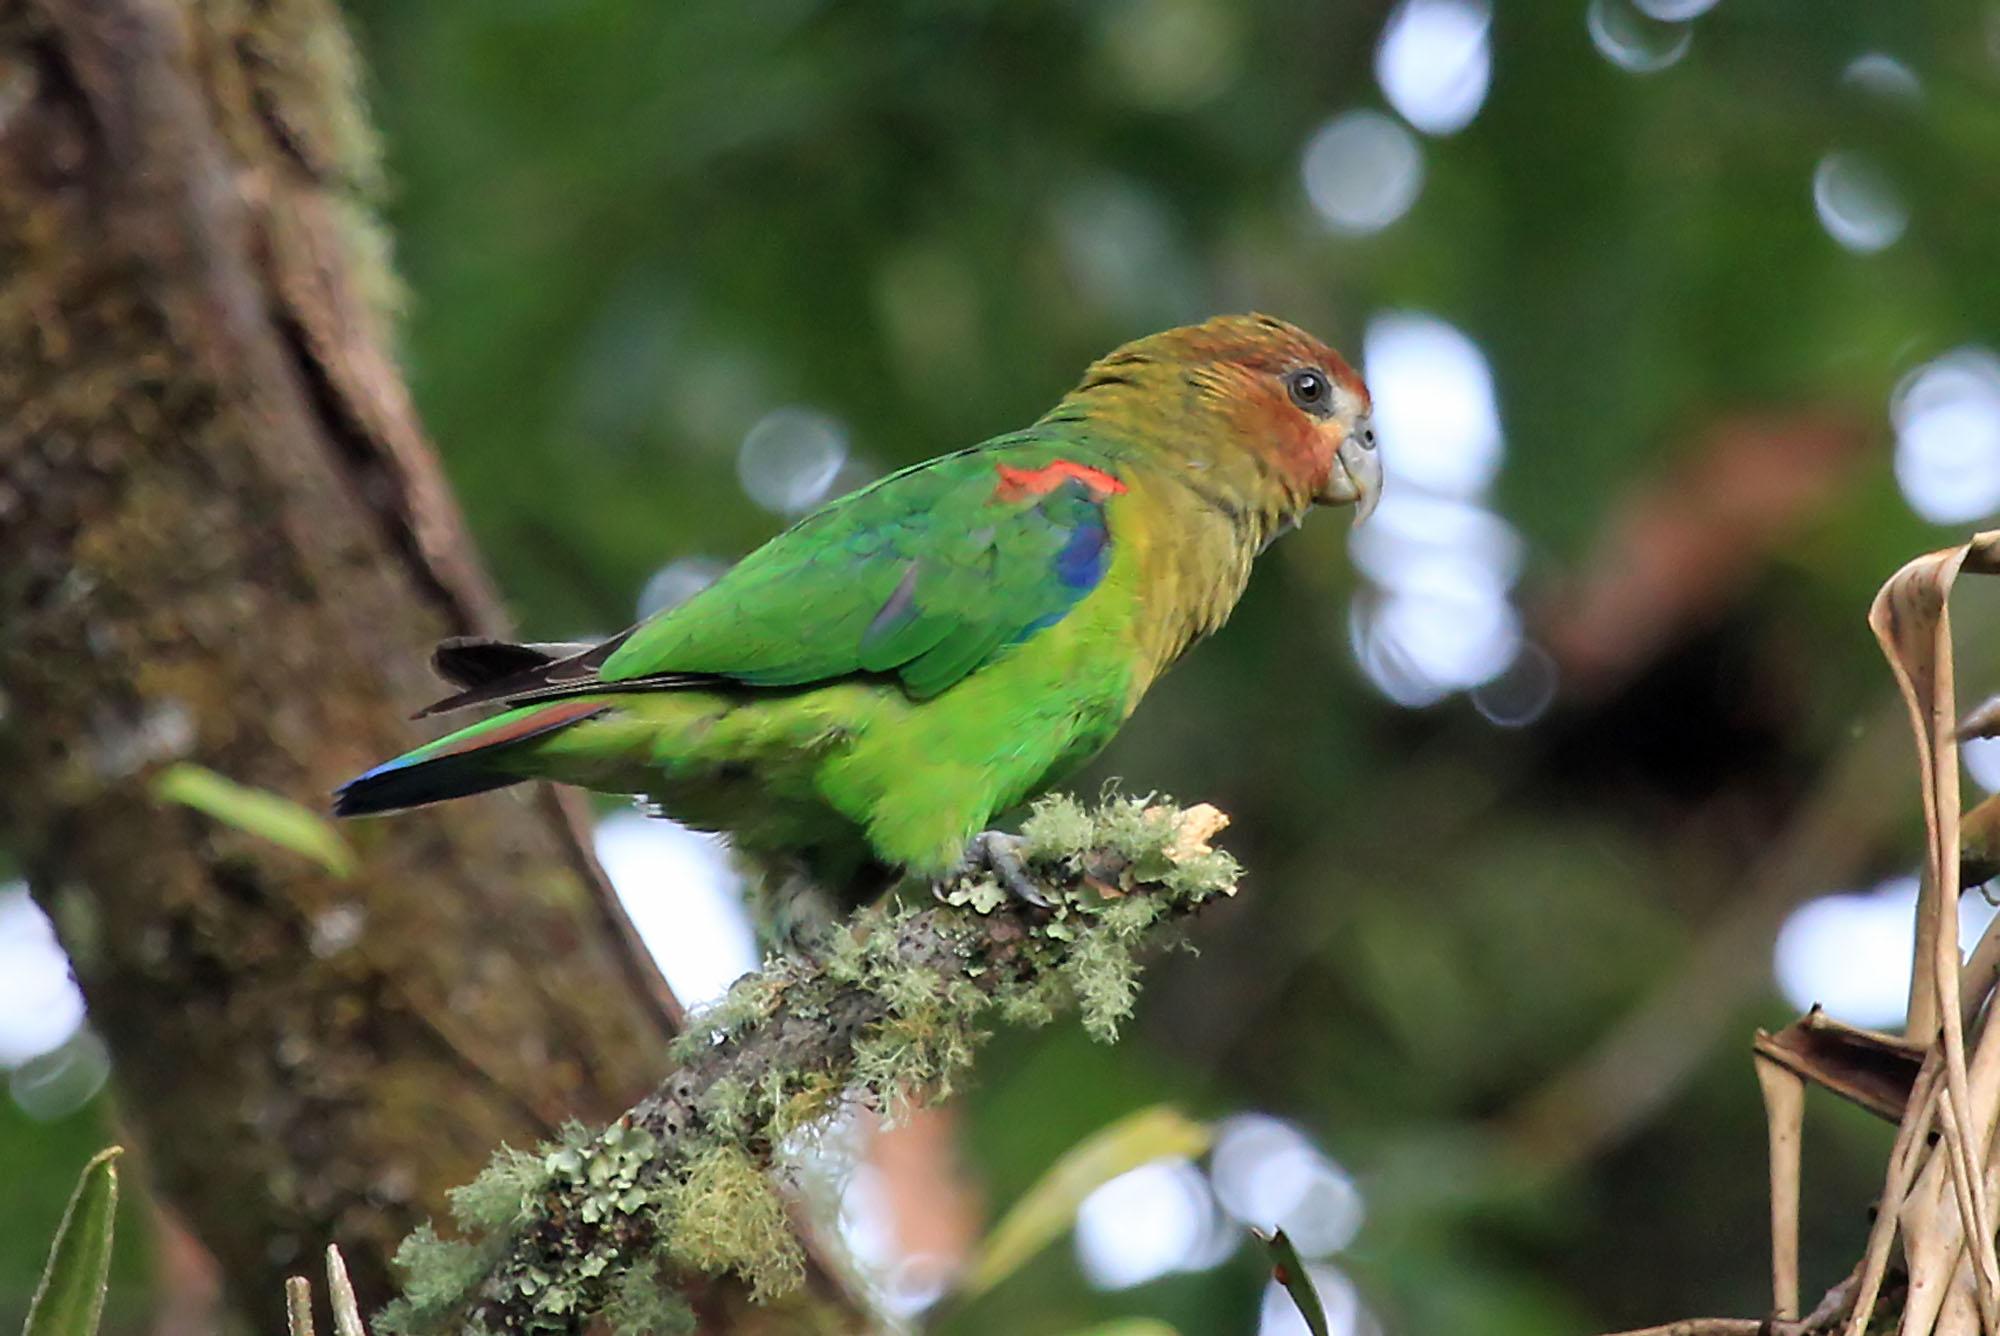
(70, 1298)
(1048, 1208)
(256, 812)
(1289, 1270)
(1130, 1326)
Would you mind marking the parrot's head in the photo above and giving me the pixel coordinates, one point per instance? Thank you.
(1252, 396)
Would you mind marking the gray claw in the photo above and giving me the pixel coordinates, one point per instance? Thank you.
(1000, 854)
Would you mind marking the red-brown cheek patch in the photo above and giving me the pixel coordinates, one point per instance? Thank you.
(1268, 424)
(1018, 484)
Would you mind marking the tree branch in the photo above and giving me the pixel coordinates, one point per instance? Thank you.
(888, 1014)
(1827, 1315)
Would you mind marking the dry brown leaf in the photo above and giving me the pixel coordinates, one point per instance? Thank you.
(1946, 1218)
(1199, 826)
(1983, 722)
(1784, 1116)
(1979, 843)
(1871, 1069)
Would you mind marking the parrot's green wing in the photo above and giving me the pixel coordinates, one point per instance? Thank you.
(925, 575)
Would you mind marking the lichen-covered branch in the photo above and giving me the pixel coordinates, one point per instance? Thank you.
(889, 1014)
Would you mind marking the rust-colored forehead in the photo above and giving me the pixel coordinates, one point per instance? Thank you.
(1259, 343)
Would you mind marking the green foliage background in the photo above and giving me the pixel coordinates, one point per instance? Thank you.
(628, 229)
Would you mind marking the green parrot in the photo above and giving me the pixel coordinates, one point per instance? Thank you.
(858, 698)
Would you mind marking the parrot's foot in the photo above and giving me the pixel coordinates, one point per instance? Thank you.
(1000, 853)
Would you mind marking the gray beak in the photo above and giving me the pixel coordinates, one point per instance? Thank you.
(1363, 466)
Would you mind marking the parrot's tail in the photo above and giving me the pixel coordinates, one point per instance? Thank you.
(469, 761)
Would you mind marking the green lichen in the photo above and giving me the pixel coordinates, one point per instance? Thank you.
(899, 998)
(1059, 827)
(614, 1175)
(749, 1001)
(1033, 1005)
(911, 1060)
(1103, 975)
(1144, 831)
(909, 991)
(727, 1216)
(982, 895)
(807, 1105)
(1210, 872)
(846, 957)
(438, 1273)
(641, 1304)
(729, 1107)
(503, 1193)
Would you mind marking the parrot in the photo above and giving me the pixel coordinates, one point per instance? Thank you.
(858, 699)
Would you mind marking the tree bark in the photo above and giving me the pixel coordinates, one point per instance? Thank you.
(223, 539)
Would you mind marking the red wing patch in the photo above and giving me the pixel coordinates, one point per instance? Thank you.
(1017, 484)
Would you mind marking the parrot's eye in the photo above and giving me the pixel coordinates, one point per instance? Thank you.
(1311, 391)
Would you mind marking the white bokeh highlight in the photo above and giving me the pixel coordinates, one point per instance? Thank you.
(1674, 11)
(1947, 419)
(1434, 400)
(1523, 693)
(1362, 171)
(1421, 644)
(1426, 528)
(1435, 62)
(57, 1083)
(40, 1006)
(902, 1284)
(1269, 1175)
(1634, 40)
(1857, 204)
(1263, 1172)
(1146, 1223)
(1879, 74)
(685, 899)
(1981, 757)
(1437, 615)
(1278, 1315)
(677, 582)
(790, 457)
(1850, 952)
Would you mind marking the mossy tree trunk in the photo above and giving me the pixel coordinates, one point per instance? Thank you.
(223, 539)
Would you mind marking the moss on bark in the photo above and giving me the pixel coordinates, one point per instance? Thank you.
(223, 539)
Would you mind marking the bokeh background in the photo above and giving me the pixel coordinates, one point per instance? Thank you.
(1681, 319)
